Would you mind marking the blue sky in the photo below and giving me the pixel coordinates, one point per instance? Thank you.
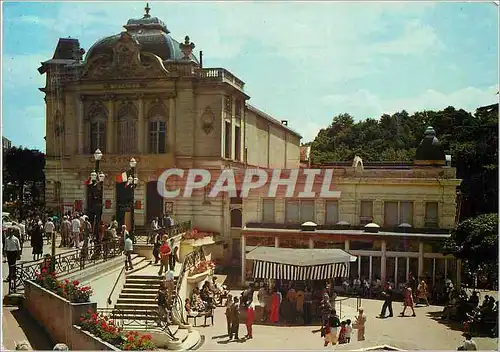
(305, 62)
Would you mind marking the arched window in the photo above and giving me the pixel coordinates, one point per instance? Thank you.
(236, 218)
(97, 116)
(157, 129)
(127, 118)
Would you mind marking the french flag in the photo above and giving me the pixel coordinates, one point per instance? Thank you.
(122, 177)
(87, 181)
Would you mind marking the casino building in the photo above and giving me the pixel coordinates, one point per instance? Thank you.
(143, 94)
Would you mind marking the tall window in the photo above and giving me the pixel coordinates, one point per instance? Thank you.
(237, 143)
(299, 211)
(157, 129)
(431, 215)
(236, 218)
(97, 136)
(331, 212)
(397, 213)
(366, 212)
(157, 137)
(127, 116)
(227, 140)
(237, 108)
(228, 104)
(268, 211)
(96, 117)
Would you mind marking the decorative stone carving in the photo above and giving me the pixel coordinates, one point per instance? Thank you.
(127, 108)
(58, 124)
(96, 110)
(187, 48)
(207, 120)
(127, 62)
(158, 109)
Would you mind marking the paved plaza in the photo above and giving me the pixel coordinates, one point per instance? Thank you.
(421, 332)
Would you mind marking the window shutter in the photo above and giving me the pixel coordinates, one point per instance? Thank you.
(307, 211)
(391, 214)
(331, 212)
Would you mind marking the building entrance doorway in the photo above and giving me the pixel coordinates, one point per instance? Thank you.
(123, 201)
(154, 202)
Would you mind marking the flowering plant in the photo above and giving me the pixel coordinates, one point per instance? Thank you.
(202, 267)
(70, 290)
(196, 234)
(105, 329)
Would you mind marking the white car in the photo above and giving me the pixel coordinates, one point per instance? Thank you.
(6, 220)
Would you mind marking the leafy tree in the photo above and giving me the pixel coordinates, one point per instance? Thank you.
(475, 240)
(22, 168)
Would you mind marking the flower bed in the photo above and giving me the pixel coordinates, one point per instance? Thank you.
(196, 234)
(105, 329)
(70, 290)
(202, 267)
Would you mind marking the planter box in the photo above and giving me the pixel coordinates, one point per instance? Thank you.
(56, 314)
(198, 277)
(84, 341)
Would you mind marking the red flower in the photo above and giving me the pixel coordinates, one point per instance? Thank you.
(44, 270)
(130, 338)
(76, 282)
(82, 318)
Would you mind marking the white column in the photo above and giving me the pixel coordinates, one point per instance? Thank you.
(445, 268)
(276, 242)
(407, 269)
(433, 271)
(243, 259)
(347, 245)
(311, 243)
(359, 266)
(395, 272)
(383, 263)
(370, 270)
(420, 260)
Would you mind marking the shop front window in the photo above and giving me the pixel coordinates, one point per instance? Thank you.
(402, 245)
(414, 268)
(390, 266)
(294, 243)
(365, 267)
(260, 241)
(401, 276)
(365, 245)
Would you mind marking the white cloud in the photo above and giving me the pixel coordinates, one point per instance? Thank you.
(365, 104)
(20, 71)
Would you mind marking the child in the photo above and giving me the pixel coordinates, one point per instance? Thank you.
(348, 331)
(343, 333)
(250, 319)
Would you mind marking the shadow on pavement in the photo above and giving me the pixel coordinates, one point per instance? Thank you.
(35, 333)
(453, 325)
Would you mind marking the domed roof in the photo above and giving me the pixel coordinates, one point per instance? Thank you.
(430, 148)
(150, 32)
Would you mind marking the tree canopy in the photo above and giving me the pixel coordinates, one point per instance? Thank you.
(471, 140)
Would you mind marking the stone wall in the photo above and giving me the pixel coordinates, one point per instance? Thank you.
(84, 341)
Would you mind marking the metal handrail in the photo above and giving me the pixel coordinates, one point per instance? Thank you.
(67, 262)
(114, 286)
(146, 235)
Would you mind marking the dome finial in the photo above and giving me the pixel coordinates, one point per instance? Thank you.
(147, 9)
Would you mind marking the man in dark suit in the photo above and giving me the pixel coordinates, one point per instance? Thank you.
(388, 297)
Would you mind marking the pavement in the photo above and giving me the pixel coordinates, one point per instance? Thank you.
(422, 332)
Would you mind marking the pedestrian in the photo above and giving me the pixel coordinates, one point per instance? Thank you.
(250, 318)
(235, 319)
(229, 303)
(12, 250)
(468, 344)
(308, 299)
(171, 257)
(161, 298)
(49, 230)
(75, 231)
(37, 240)
(326, 309)
(274, 315)
(156, 246)
(422, 293)
(408, 300)
(348, 330)
(169, 283)
(65, 232)
(129, 246)
(388, 297)
(22, 228)
(360, 324)
(164, 255)
(343, 333)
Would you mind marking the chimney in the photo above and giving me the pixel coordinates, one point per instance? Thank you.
(201, 59)
(284, 122)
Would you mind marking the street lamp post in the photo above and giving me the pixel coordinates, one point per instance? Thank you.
(97, 181)
(132, 182)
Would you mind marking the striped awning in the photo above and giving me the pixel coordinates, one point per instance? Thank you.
(277, 271)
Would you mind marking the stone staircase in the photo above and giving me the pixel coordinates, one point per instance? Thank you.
(137, 309)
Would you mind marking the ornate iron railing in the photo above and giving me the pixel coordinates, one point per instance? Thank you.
(147, 235)
(190, 261)
(133, 318)
(68, 262)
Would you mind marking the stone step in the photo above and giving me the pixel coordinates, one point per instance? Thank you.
(136, 306)
(138, 295)
(128, 317)
(136, 300)
(143, 281)
(141, 286)
(140, 276)
(140, 290)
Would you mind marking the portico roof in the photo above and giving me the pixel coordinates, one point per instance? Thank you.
(300, 256)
